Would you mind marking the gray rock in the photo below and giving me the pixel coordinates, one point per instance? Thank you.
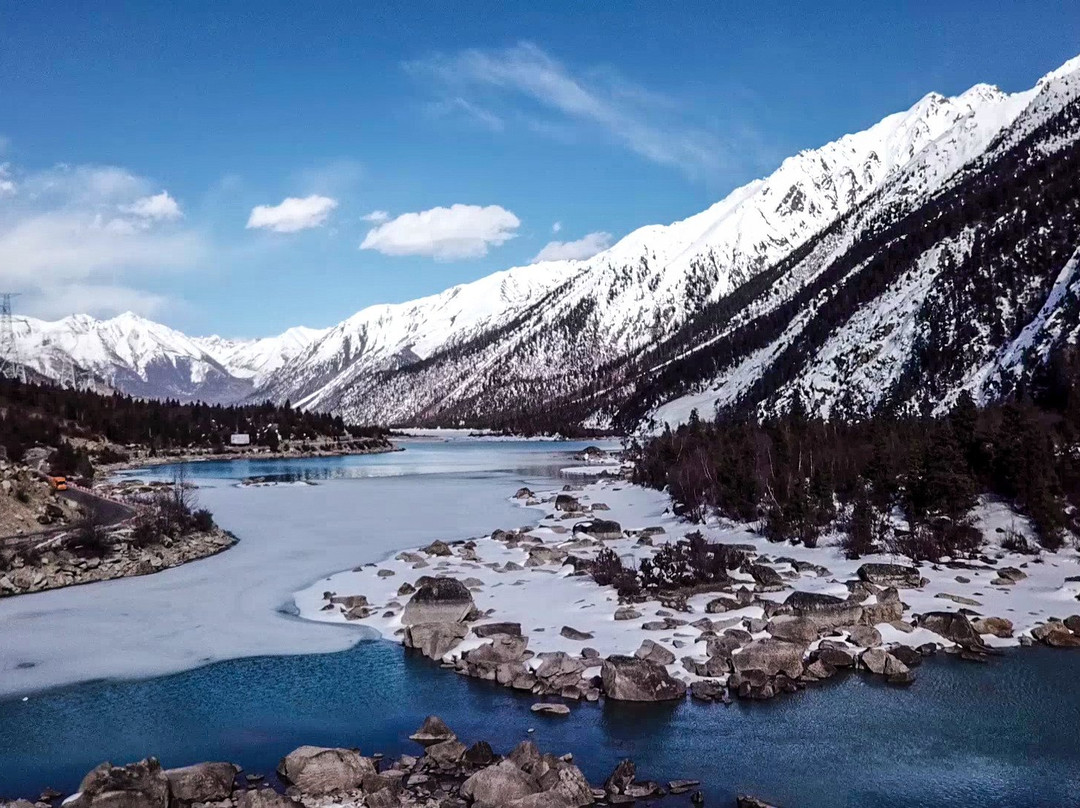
(546, 708)
(771, 656)
(898, 575)
(953, 626)
(603, 529)
(433, 731)
(627, 613)
(566, 782)
(631, 679)
(707, 690)
(137, 785)
(449, 751)
(203, 782)
(438, 600)
(793, 629)
(321, 770)
(765, 576)
(574, 634)
(654, 652)
(499, 784)
(864, 636)
(567, 504)
(827, 611)
(435, 640)
(265, 798)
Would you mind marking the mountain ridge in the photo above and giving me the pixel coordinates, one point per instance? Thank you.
(671, 318)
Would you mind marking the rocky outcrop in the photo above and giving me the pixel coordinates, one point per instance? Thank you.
(137, 785)
(771, 657)
(435, 640)
(632, 679)
(446, 774)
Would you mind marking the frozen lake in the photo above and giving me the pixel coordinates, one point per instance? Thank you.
(238, 603)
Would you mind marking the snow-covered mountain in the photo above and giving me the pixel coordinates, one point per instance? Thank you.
(604, 328)
(144, 358)
(932, 253)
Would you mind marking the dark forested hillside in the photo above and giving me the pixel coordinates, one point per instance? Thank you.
(900, 484)
(46, 415)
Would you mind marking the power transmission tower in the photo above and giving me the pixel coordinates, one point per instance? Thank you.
(10, 366)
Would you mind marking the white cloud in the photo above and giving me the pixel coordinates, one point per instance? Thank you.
(377, 216)
(7, 184)
(85, 238)
(648, 123)
(555, 228)
(292, 214)
(459, 231)
(585, 247)
(159, 208)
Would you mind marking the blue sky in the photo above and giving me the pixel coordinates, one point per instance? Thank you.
(148, 148)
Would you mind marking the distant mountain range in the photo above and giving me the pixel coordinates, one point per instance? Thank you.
(933, 253)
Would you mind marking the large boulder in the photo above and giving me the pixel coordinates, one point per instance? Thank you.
(899, 575)
(826, 611)
(567, 503)
(438, 600)
(203, 782)
(793, 629)
(599, 529)
(652, 651)
(137, 785)
(628, 678)
(321, 770)
(953, 626)
(499, 784)
(435, 640)
(771, 656)
(566, 782)
(502, 648)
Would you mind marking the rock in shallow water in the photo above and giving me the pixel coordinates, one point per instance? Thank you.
(630, 679)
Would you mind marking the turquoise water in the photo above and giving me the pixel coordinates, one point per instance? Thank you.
(1002, 734)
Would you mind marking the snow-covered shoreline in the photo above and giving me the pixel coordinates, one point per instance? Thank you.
(520, 578)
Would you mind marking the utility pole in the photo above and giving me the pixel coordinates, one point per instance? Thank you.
(10, 366)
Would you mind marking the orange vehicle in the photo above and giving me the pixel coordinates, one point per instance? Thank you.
(58, 483)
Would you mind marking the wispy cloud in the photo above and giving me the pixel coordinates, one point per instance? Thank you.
(525, 78)
(376, 216)
(445, 234)
(585, 247)
(472, 112)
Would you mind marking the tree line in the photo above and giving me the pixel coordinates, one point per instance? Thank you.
(906, 485)
(46, 415)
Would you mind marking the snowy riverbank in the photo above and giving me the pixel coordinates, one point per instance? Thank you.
(522, 577)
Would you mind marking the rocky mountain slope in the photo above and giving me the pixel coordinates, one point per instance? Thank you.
(892, 268)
